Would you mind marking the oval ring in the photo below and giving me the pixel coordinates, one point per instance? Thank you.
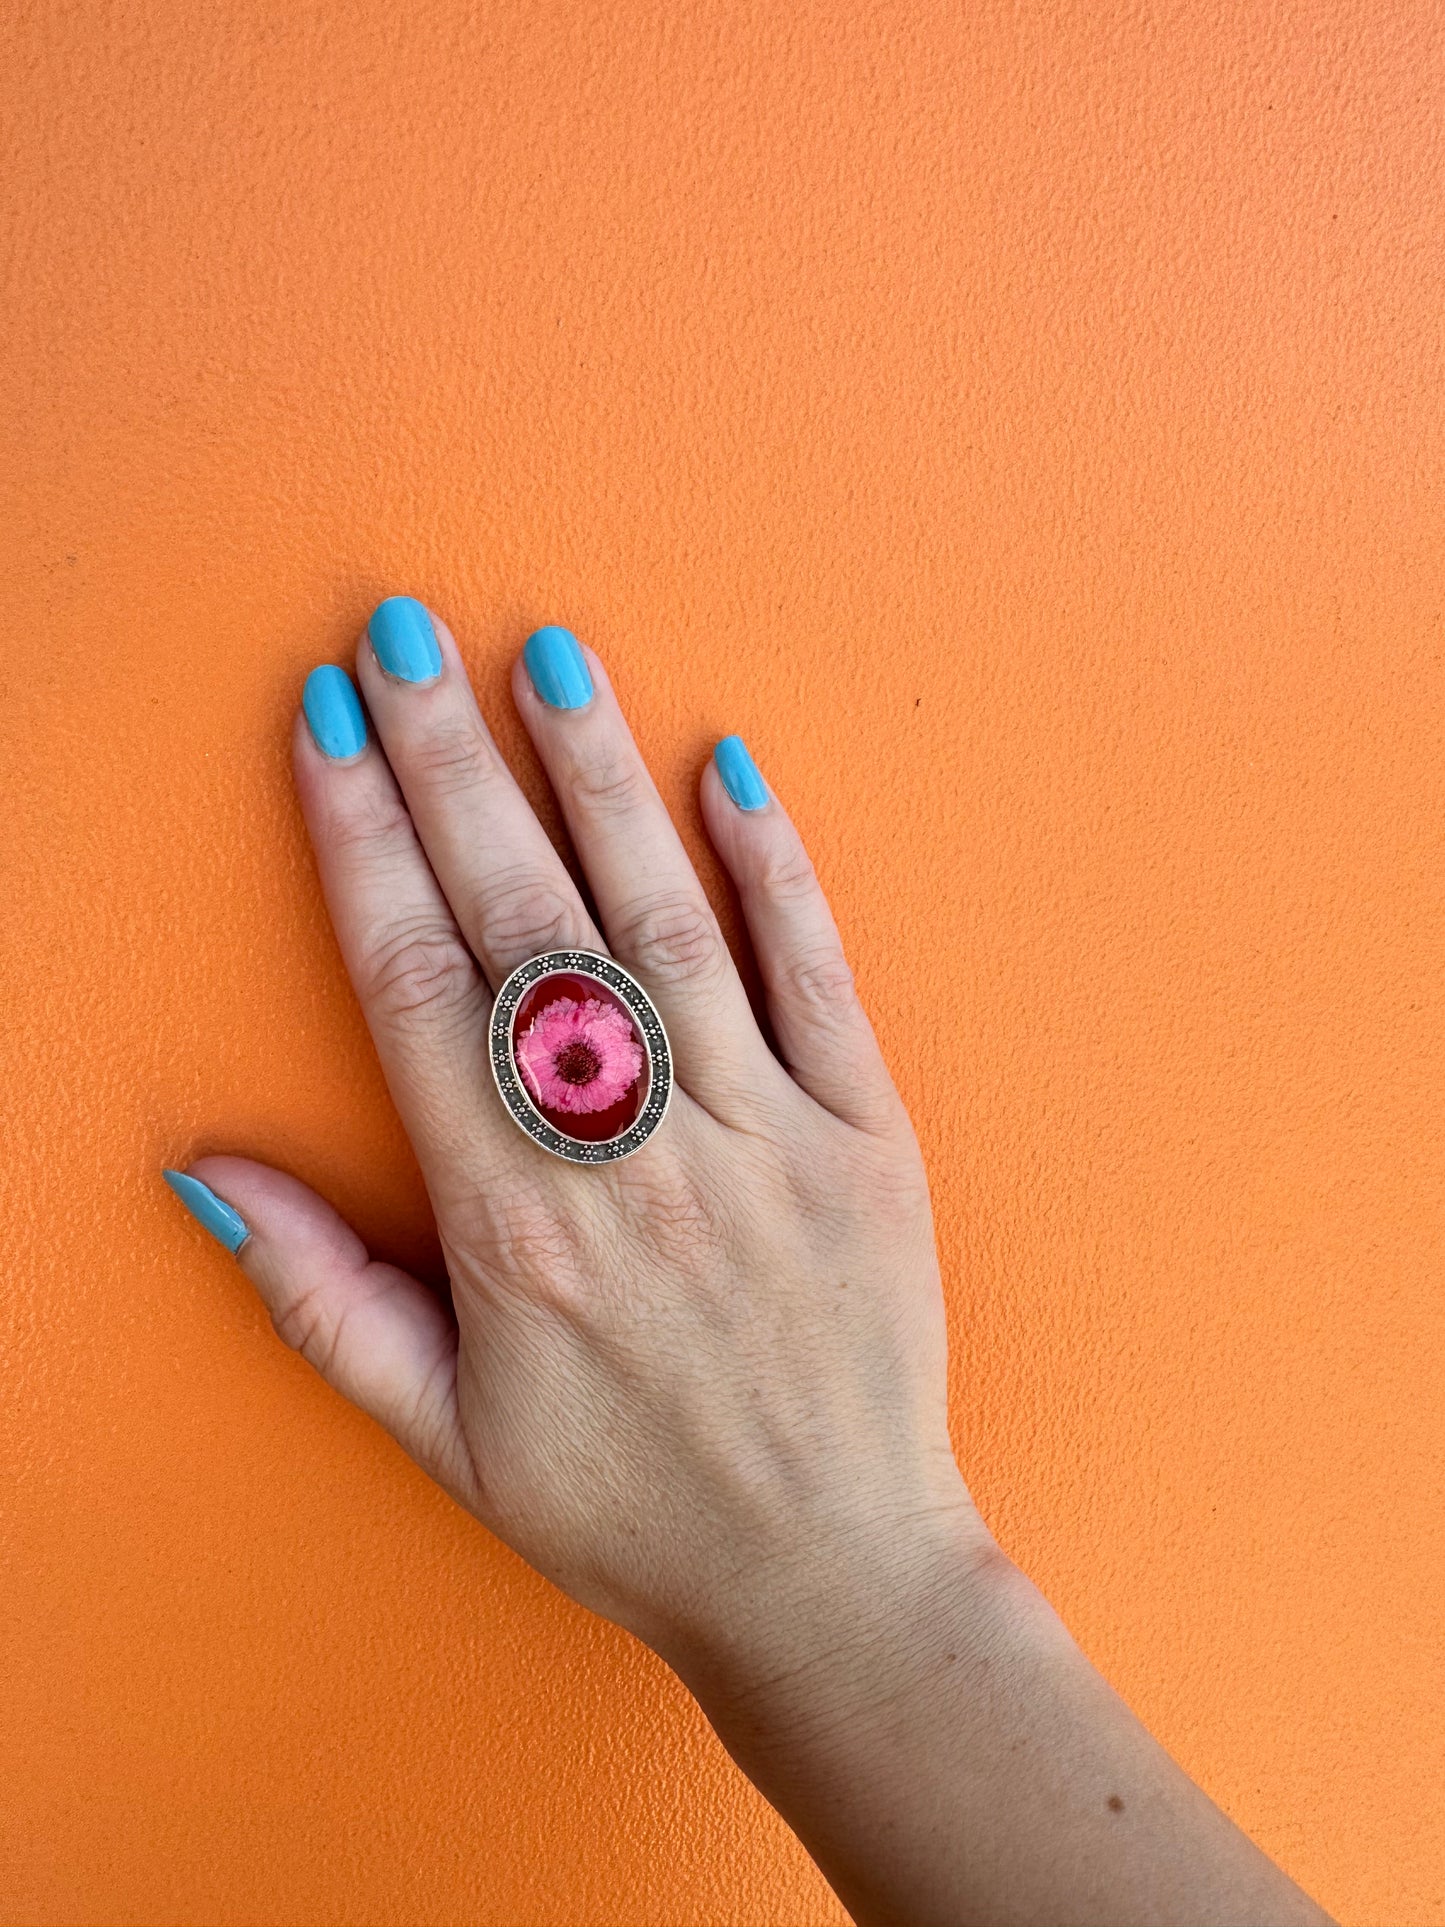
(594, 1076)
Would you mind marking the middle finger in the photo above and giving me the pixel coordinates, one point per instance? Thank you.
(508, 889)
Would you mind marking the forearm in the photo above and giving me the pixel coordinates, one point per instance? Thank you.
(943, 1749)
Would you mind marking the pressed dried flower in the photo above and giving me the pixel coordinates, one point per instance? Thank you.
(579, 1056)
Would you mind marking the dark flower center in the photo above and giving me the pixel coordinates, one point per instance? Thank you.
(577, 1062)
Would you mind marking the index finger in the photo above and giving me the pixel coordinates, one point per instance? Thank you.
(422, 994)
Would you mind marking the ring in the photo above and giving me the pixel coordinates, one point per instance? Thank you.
(579, 1055)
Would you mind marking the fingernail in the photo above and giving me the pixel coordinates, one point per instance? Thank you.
(558, 668)
(207, 1209)
(740, 773)
(404, 640)
(333, 712)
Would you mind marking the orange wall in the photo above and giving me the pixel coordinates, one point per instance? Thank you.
(1023, 423)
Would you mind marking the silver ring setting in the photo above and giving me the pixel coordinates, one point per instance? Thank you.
(579, 1056)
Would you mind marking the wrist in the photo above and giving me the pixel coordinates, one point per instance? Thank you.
(849, 1623)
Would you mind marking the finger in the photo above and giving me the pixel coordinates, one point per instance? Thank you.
(374, 1332)
(508, 889)
(420, 990)
(822, 1029)
(655, 913)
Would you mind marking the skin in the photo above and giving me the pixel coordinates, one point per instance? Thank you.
(703, 1389)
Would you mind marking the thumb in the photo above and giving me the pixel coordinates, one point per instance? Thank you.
(372, 1330)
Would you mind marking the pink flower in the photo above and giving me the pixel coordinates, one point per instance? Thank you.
(579, 1056)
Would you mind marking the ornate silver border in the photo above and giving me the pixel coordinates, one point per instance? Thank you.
(514, 1093)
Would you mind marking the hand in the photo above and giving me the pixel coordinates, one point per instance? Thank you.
(684, 1385)
(701, 1388)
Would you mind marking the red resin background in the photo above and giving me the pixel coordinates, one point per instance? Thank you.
(590, 1127)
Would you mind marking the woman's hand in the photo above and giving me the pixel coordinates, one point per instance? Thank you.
(677, 1383)
(701, 1388)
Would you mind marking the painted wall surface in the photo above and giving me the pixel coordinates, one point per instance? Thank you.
(1023, 424)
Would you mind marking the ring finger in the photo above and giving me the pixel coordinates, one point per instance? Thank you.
(656, 914)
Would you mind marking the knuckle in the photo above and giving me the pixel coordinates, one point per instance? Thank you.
(375, 823)
(671, 938)
(787, 874)
(519, 912)
(606, 785)
(449, 759)
(420, 1418)
(673, 1187)
(305, 1326)
(896, 1188)
(684, 1217)
(874, 1176)
(418, 968)
(542, 1249)
(821, 982)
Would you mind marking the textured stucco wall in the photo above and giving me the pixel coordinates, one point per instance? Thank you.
(1023, 423)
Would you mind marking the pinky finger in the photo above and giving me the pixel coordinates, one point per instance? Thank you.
(372, 1331)
(822, 1029)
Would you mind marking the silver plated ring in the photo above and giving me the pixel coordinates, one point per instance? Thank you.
(579, 1055)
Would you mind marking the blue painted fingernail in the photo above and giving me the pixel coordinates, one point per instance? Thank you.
(740, 773)
(207, 1209)
(558, 668)
(404, 640)
(333, 712)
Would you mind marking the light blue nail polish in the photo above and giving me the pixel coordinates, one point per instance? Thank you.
(333, 712)
(207, 1209)
(558, 668)
(740, 773)
(404, 640)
